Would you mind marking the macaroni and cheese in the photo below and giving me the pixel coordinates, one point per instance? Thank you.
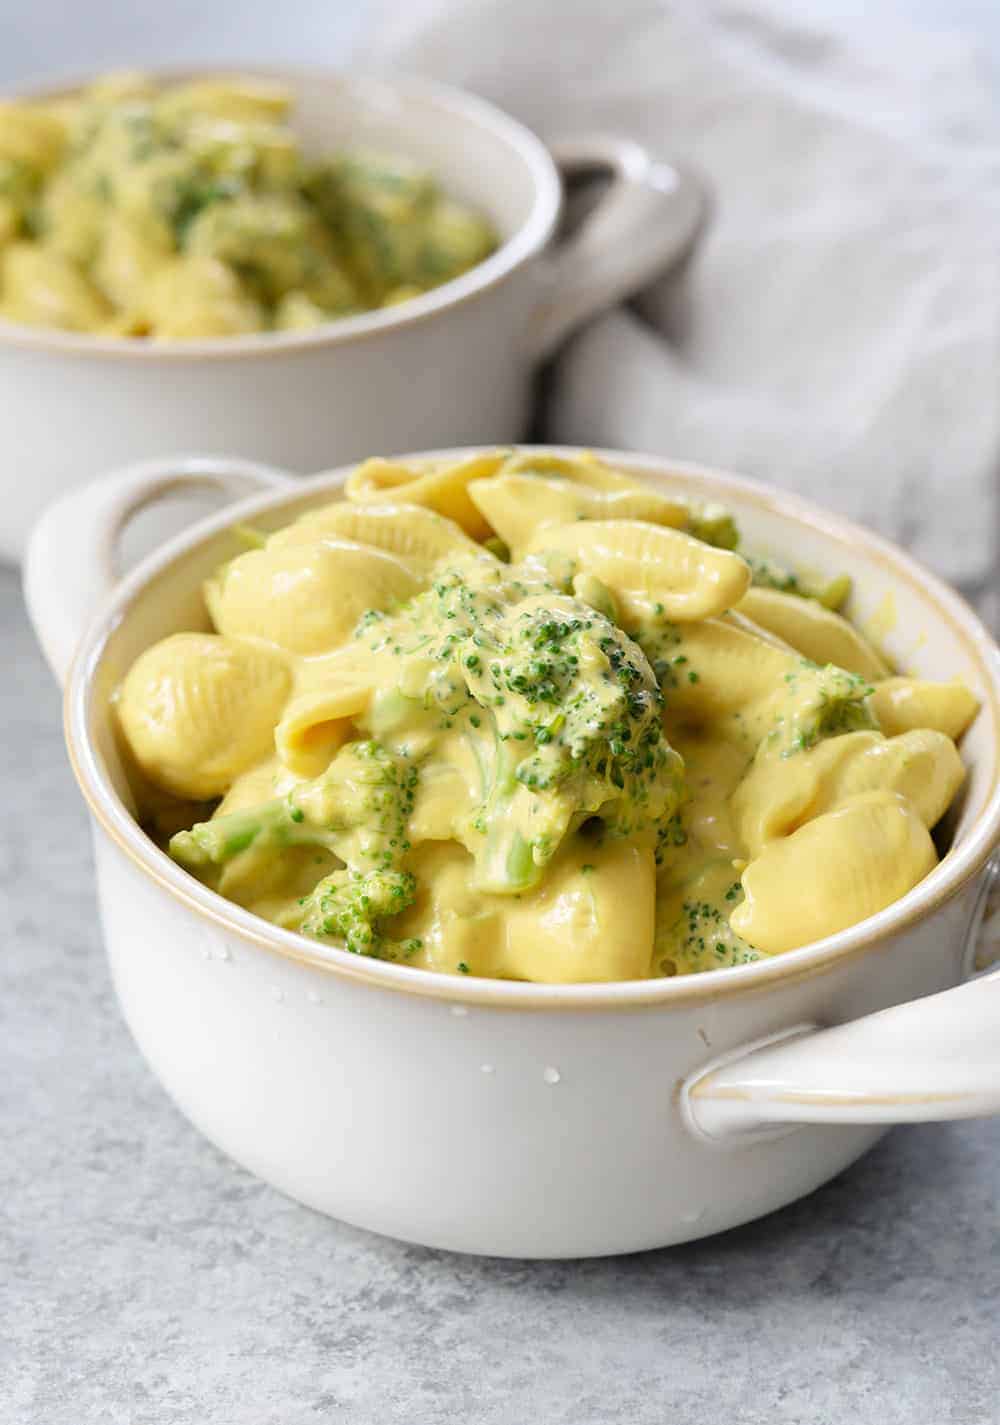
(190, 211)
(521, 716)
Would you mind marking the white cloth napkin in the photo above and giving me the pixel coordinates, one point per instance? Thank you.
(837, 332)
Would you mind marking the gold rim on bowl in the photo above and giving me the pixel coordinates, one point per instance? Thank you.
(523, 244)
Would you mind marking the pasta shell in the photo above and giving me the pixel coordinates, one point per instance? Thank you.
(43, 288)
(418, 537)
(903, 704)
(923, 766)
(583, 469)
(198, 710)
(642, 563)
(590, 920)
(130, 252)
(316, 724)
(869, 852)
(721, 675)
(516, 506)
(718, 668)
(816, 632)
(191, 297)
(306, 598)
(774, 800)
(442, 488)
(240, 98)
(30, 136)
(736, 619)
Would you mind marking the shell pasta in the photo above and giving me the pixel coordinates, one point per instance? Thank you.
(519, 716)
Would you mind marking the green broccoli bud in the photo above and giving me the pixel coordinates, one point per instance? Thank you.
(713, 524)
(575, 712)
(768, 575)
(699, 937)
(350, 906)
(359, 809)
(816, 703)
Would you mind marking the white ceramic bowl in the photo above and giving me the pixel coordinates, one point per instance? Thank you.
(451, 366)
(510, 1118)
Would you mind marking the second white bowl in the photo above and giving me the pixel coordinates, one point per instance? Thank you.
(451, 366)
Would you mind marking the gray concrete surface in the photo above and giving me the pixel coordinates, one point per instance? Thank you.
(145, 1280)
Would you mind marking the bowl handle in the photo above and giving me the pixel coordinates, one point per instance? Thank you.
(931, 1059)
(69, 563)
(648, 218)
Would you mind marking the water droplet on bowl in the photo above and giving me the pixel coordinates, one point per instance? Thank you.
(551, 1075)
(313, 997)
(486, 1069)
(278, 994)
(459, 1010)
(213, 947)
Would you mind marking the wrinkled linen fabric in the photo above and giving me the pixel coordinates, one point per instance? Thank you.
(836, 330)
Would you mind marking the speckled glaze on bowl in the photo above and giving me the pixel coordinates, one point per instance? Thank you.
(509, 1118)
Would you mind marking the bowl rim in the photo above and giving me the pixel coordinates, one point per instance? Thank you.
(523, 244)
(959, 866)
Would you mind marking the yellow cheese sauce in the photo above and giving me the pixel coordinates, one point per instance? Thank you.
(885, 620)
(190, 210)
(539, 723)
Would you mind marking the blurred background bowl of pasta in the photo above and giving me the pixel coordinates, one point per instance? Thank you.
(305, 265)
(397, 1097)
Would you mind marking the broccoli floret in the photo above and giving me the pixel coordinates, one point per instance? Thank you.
(816, 703)
(358, 809)
(366, 798)
(699, 937)
(768, 575)
(349, 906)
(713, 524)
(573, 713)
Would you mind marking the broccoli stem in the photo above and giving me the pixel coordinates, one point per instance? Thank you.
(507, 864)
(506, 861)
(273, 825)
(520, 865)
(510, 861)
